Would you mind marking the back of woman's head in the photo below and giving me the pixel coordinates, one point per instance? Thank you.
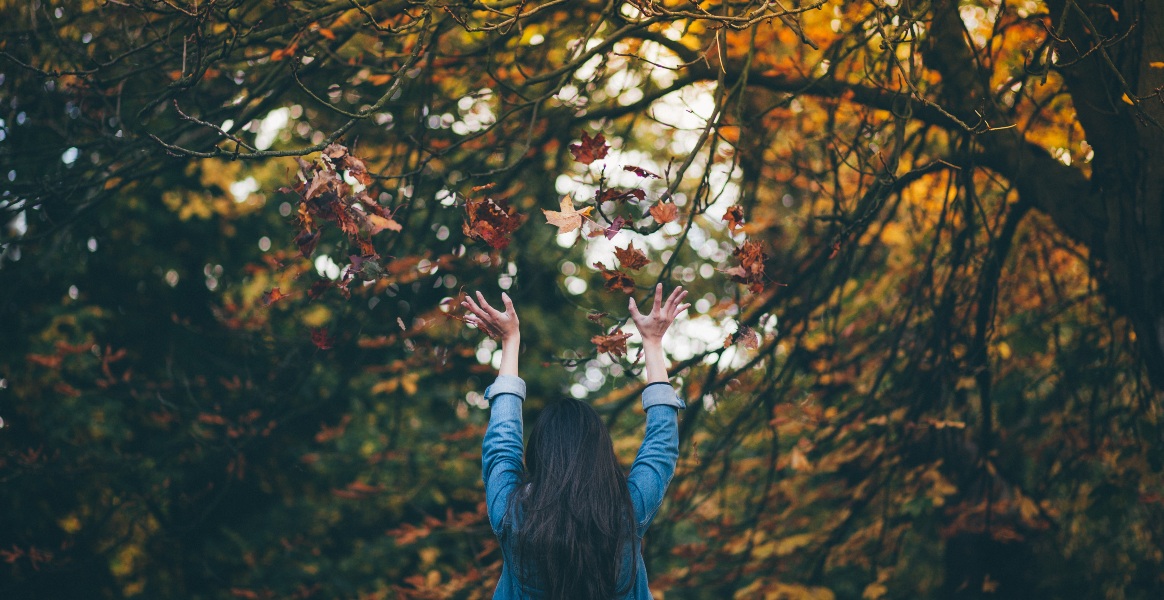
(576, 513)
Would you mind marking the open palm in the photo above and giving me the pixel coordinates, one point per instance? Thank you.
(654, 324)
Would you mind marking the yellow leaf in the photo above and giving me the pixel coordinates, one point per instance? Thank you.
(1126, 99)
(1156, 64)
(376, 224)
(873, 591)
(798, 461)
(386, 387)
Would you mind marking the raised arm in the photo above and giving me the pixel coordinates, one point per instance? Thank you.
(501, 450)
(655, 464)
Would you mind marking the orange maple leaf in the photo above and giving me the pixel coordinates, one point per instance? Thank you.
(568, 219)
(665, 212)
(614, 343)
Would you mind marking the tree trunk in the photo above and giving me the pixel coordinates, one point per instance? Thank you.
(1117, 94)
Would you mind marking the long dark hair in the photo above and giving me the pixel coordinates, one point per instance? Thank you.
(575, 530)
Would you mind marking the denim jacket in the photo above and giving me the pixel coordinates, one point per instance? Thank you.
(501, 466)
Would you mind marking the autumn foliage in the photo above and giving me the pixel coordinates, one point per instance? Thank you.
(922, 242)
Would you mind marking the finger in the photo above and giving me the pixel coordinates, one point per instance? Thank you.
(658, 303)
(508, 304)
(634, 310)
(477, 310)
(675, 298)
(682, 307)
(485, 304)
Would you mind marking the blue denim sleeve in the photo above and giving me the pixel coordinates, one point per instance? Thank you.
(655, 464)
(501, 451)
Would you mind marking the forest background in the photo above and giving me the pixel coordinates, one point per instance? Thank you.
(923, 239)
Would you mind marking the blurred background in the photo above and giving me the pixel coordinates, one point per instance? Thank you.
(922, 240)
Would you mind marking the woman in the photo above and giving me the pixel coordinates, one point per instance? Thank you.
(570, 524)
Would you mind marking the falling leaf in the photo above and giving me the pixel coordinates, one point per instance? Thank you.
(631, 258)
(1156, 64)
(734, 217)
(320, 339)
(618, 195)
(615, 227)
(616, 280)
(327, 33)
(596, 317)
(641, 172)
(273, 296)
(589, 149)
(376, 224)
(751, 269)
(614, 343)
(797, 460)
(941, 424)
(491, 220)
(568, 219)
(282, 53)
(665, 212)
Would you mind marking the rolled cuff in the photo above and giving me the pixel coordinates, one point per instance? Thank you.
(657, 394)
(506, 384)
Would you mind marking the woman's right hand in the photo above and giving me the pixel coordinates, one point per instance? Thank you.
(654, 324)
(496, 324)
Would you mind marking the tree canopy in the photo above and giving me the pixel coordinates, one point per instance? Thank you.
(923, 238)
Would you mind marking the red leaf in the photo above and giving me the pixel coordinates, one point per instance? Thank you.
(589, 149)
(617, 280)
(631, 258)
(321, 340)
(618, 195)
(641, 172)
(615, 227)
(491, 221)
